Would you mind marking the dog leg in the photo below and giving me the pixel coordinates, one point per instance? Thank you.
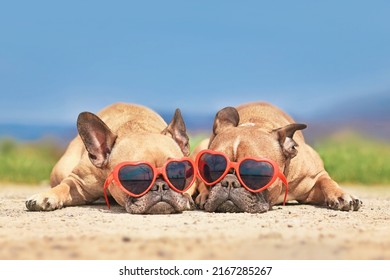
(203, 195)
(67, 193)
(327, 192)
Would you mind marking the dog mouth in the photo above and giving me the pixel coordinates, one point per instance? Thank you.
(236, 200)
(161, 207)
(157, 204)
(228, 206)
(222, 204)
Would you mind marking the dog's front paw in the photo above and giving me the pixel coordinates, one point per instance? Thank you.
(43, 202)
(191, 204)
(345, 202)
(201, 199)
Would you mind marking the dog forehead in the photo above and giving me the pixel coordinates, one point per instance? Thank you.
(154, 148)
(247, 132)
(247, 141)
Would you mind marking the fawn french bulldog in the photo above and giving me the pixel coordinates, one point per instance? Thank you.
(257, 157)
(129, 151)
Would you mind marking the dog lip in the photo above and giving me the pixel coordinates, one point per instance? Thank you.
(228, 201)
(216, 207)
(229, 204)
(161, 203)
(162, 199)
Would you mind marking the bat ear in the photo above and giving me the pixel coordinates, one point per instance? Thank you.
(177, 129)
(225, 118)
(285, 137)
(97, 137)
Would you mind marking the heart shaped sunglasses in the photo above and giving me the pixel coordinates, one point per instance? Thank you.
(254, 174)
(137, 178)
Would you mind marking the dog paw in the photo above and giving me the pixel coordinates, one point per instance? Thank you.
(201, 199)
(43, 202)
(344, 202)
(191, 204)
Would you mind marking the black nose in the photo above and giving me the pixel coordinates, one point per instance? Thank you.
(160, 186)
(230, 181)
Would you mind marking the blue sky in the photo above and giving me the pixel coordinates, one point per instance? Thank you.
(58, 59)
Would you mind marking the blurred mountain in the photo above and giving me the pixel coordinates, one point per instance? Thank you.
(369, 115)
(61, 133)
(195, 123)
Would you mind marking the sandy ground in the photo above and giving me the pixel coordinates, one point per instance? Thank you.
(287, 232)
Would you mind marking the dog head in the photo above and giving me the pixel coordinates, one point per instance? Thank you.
(107, 148)
(242, 140)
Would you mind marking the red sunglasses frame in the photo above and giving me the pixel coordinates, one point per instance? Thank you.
(235, 165)
(113, 176)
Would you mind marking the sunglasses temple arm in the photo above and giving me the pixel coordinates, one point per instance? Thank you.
(106, 184)
(284, 180)
(285, 195)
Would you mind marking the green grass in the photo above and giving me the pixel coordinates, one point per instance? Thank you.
(196, 139)
(355, 159)
(27, 163)
(31, 163)
(349, 158)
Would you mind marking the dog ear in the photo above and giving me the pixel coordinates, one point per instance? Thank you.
(227, 117)
(177, 129)
(97, 137)
(285, 137)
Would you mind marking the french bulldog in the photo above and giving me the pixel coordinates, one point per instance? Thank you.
(261, 130)
(120, 132)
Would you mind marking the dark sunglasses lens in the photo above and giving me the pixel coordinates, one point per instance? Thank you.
(211, 167)
(136, 178)
(180, 174)
(255, 174)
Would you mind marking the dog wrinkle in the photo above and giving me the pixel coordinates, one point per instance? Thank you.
(135, 205)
